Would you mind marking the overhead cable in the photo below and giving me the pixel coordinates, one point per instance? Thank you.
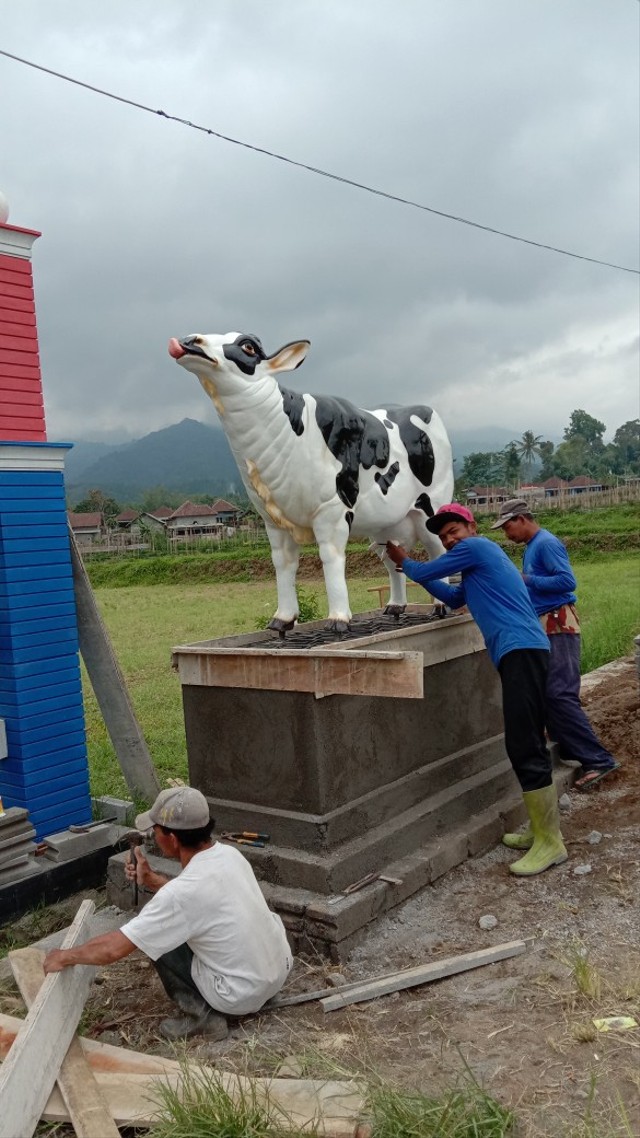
(317, 169)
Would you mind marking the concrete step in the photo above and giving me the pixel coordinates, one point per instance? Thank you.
(375, 847)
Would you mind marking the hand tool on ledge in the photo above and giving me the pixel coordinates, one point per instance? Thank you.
(134, 839)
(246, 838)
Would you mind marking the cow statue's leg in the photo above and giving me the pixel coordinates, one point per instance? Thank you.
(332, 538)
(397, 602)
(285, 554)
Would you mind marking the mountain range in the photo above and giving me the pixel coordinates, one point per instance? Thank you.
(194, 458)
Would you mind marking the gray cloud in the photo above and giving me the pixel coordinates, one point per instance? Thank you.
(522, 117)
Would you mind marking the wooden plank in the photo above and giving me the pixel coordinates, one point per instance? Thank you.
(129, 1081)
(30, 1070)
(88, 1109)
(110, 689)
(334, 672)
(422, 974)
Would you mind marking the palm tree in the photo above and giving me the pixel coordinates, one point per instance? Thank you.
(528, 448)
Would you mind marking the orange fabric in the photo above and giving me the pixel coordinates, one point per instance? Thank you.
(561, 620)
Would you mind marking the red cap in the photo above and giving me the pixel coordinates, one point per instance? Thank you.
(453, 512)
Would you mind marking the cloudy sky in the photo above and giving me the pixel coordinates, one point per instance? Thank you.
(522, 116)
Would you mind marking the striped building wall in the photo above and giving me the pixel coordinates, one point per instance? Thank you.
(46, 767)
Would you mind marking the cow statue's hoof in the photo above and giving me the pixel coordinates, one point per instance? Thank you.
(338, 626)
(278, 625)
(440, 610)
(394, 610)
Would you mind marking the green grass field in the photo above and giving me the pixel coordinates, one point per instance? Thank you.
(146, 623)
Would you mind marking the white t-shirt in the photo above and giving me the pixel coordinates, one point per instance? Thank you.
(241, 957)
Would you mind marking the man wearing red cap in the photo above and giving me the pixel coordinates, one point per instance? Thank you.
(493, 590)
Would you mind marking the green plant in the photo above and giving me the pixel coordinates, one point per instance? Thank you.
(205, 1104)
(465, 1112)
(308, 609)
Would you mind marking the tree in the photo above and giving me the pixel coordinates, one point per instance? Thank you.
(627, 440)
(97, 502)
(584, 426)
(528, 448)
(546, 455)
(482, 468)
(511, 465)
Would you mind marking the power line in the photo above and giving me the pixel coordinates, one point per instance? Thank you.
(317, 169)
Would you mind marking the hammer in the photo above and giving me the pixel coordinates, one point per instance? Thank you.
(134, 839)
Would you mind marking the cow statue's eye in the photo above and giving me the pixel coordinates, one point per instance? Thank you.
(249, 349)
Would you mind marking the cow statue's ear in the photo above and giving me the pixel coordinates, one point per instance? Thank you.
(289, 357)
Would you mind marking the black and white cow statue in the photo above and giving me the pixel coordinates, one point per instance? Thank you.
(317, 468)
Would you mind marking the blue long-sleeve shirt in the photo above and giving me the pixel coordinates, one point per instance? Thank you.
(547, 572)
(492, 589)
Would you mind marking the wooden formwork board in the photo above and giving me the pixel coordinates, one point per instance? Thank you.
(29, 1073)
(86, 1106)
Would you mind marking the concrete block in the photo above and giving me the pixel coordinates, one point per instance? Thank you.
(17, 872)
(451, 852)
(485, 831)
(67, 846)
(21, 852)
(22, 832)
(10, 817)
(121, 809)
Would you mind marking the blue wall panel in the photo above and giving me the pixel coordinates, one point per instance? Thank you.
(40, 684)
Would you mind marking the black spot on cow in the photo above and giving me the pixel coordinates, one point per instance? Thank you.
(356, 438)
(246, 352)
(293, 405)
(416, 440)
(388, 424)
(348, 517)
(424, 503)
(386, 480)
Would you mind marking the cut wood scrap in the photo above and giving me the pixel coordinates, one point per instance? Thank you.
(422, 974)
(29, 1072)
(129, 1081)
(88, 1110)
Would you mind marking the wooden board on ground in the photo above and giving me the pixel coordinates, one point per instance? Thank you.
(29, 1073)
(422, 974)
(129, 1082)
(87, 1107)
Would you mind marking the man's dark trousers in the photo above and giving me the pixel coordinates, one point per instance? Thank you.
(523, 673)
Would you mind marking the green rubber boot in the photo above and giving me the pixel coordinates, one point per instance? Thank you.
(523, 841)
(548, 847)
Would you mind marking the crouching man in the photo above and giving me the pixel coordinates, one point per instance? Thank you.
(217, 947)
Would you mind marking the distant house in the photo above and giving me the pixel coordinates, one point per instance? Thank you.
(192, 520)
(487, 495)
(226, 512)
(553, 487)
(86, 528)
(583, 484)
(127, 521)
(531, 491)
(156, 520)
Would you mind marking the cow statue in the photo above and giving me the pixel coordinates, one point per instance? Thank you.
(317, 468)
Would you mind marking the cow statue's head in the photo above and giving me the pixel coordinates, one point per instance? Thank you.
(226, 363)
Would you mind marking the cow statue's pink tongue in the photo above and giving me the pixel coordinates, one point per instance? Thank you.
(175, 349)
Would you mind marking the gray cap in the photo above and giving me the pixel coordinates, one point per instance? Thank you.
(178, 808)
(514, 508)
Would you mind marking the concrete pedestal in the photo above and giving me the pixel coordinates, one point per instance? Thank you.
(383, 754)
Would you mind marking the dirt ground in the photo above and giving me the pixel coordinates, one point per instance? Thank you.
(524, 1027)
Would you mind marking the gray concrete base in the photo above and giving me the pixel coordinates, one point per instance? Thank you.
(331, 925)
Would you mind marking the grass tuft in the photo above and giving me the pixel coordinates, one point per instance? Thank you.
(464, 1112)
(201, 1106)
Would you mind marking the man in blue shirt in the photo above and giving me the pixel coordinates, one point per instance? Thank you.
(493, 591)
(549, 578)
